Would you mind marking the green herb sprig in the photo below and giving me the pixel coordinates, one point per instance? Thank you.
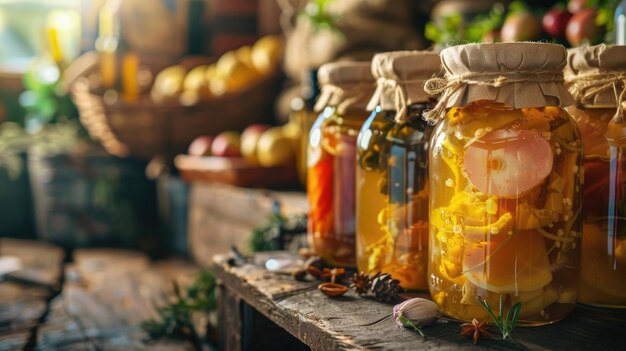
(604, 17)
(408, 324)
(506, 324)
(278, 231)
(176, 318)
(316, 11)
(453, 29)
(265, 237)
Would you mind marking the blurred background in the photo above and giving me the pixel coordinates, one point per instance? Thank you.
(99, 97)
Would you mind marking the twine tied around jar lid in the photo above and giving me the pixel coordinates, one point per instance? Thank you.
(344, 85)
(520, 75)
(400, 78)
(596, 75)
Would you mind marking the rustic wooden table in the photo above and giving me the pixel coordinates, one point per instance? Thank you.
(255, 304)
(95, 303)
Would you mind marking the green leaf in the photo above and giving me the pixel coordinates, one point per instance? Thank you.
(408, 324)
(517, 6)
(514, 317)
(602, 17)
(487, 308)
(506, 324)
(177, 289)
(501, 308)
(432, 32)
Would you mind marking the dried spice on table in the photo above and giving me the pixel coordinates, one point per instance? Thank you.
(477, 330)
(381, 286)
(331, 288)
(361, 283)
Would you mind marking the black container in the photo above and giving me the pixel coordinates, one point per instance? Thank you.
(93, 199)
(173, 195)
(16, 208)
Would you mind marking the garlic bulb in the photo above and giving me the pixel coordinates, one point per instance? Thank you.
(421, 312)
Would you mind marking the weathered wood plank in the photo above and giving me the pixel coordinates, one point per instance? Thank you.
(14, 341)
(221, 216)
(353, 322)
(230, 322)
(42, 263)
(106, 295)
(24, 294)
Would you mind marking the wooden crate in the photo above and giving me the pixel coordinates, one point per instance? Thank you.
(221, 216)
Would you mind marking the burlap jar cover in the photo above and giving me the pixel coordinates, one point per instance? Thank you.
(400, 78)
(345, 85)
(596, 76)
(520, 75)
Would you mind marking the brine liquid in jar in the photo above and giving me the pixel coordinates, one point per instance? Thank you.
(370, 184)
(405, 218)
(505, 211)
(331, 186)
(603, 265)
(394, 207)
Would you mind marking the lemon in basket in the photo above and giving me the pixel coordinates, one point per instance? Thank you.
(231, 75)
(196, 81)
(195, 86)
(168, 83)
(274, 148)
(267, 53)
(244, 55)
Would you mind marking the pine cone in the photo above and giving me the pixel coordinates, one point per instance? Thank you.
(385, 288)
(361, 283)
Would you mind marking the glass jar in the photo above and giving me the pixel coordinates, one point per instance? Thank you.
(371, 188)
(620, 23)
(302, 117)
(506, 187)
(331, 160)
(392, 172)
(603, 260)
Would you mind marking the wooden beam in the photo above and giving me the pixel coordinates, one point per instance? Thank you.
(360, 323)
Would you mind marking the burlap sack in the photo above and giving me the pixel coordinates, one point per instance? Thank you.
(345, 85)
(596, 76)
(400, 78)
(364, 27)
(517, 74)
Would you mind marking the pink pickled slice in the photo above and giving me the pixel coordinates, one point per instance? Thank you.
(507, 163)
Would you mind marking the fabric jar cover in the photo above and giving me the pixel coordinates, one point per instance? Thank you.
(400, 78)
(344, 84)
(520, 75)
(596, 76)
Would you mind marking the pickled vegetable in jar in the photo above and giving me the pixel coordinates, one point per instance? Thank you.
(595, 76)
(505, 183)
(392, 186)
(331, 157)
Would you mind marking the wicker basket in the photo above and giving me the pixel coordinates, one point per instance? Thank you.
(144, 129)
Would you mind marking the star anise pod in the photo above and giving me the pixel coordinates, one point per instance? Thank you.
(476, 329)
(361, 283)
